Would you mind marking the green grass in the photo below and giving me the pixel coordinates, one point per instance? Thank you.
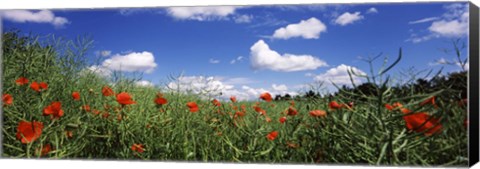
(367, 134)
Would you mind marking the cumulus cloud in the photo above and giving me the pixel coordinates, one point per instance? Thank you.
(201, 13)
(144, 83)
(262, 57)
(43, 16)
(339, 75)
(131, 62)
(451, 24)
(348, 18)
(372, 10)
(307, 29)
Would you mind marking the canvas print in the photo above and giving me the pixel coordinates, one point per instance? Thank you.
(345, 84)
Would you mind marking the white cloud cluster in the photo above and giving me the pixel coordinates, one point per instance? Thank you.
(201, 13)
(339, 75)
(348, 18)
(131, 62)
(43, 16)
(307, 29)
(262, 57)
(213, 86)
(144, 83)
(453, 23)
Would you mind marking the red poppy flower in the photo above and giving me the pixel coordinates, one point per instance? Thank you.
(240, 113)
(259, 110)
(43, 86)
(266, 96)
(422, 122)
(388, 106)
(76, 96)
(216, 103)
(243, 107)
(86, 108)
(21, 81)
(282, 119)
(28, 132)
(291, 111)
(233, 99)
(107, 91)
(125, 99)
(334, 105)
(430, 100)
(193, 106)
(45, 149)
(7, 99)
(268, 119)
(405, 110)
(54, 109)
(138, 148)
(318, 113)
(272, 135)
(35, 86)
(96, 112)
(292, 103)
(160, 101)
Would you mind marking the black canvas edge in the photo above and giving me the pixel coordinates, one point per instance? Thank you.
(473, 75)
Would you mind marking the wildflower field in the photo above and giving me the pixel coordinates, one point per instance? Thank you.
(52, 109)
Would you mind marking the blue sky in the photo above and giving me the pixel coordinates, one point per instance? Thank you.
(246, 50)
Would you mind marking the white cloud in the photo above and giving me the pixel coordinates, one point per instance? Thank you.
(104, 53)
(213, 61)
(201, 13)
(454, 28)
(339, 75)
(452, 24)
(262, 57)
(131, 62)
(144, 83)
(307, 29)
(239, 81)
(43, 16)
(280, 88)
(99, 70)
(372, 10)
(429, 19)
(348, 18)
(209, 86)
(243, 18)
(238, 59)
(309, 74)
